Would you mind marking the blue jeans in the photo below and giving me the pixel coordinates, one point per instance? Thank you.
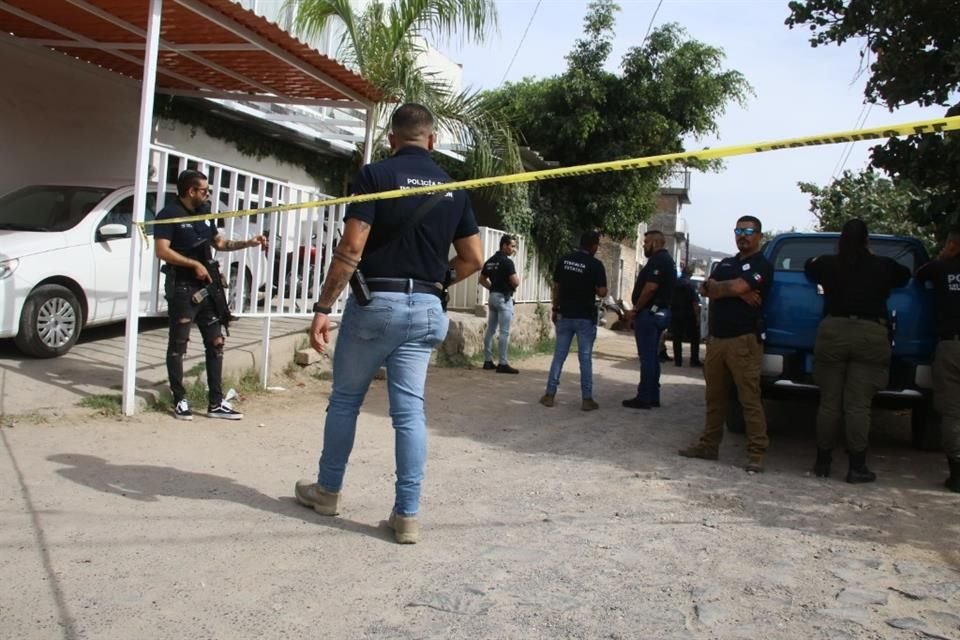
(500, 315)
(586, 331)
(399, 330)
(647, 329)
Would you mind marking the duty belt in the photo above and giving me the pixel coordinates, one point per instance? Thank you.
(405, 285)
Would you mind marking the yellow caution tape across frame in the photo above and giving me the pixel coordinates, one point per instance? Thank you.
(875, 133)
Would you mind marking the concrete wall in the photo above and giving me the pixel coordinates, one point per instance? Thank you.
(65, 120)
(465, 337)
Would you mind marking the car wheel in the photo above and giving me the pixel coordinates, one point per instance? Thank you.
(50, 322)
(232, 289)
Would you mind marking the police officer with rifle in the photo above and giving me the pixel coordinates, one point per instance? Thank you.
(194, 290)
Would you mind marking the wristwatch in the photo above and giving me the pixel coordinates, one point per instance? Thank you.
(319, 308)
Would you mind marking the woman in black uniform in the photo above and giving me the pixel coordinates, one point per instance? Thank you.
(852, 352)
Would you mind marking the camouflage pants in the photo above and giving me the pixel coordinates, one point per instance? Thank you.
(946, 394)
(851, 362)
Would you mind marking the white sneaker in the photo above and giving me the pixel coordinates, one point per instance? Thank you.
(224, 411)
(182, 411)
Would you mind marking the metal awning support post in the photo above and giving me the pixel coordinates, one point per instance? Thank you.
(371, 127)
(140, 205)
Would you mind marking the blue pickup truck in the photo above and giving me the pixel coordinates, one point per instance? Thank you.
(793, 310)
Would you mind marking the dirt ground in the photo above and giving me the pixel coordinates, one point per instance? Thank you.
(538, 523)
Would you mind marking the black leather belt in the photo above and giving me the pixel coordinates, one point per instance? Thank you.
(882, 321)
(405, 285)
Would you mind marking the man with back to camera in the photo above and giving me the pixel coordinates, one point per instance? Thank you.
(651, 316)
(578, 279)
(944, 273)
(685, 319)
(185, 247)
(736, 289)
(499, 275)
(405, 269)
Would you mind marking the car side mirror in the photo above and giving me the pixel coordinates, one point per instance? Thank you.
(111, 231)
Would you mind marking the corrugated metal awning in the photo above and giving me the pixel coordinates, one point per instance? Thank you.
(208, 48)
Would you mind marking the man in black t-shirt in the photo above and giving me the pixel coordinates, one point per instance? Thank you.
(186, 249)
(578, 279)
(499, 275)
(403, 320)
(944, 273)
(685, 319)
(736, 289)
(651, 316)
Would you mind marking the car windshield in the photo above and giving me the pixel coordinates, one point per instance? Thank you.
(48, 208)
(792, 254)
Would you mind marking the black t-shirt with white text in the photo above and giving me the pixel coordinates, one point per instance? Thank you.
(498, 270)
(945, 276)
(189, 239)
(731, 317)
(422, 253)
(578, 275)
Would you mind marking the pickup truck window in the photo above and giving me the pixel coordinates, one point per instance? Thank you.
(792, 254)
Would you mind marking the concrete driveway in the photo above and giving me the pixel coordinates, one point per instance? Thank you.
(95, 364)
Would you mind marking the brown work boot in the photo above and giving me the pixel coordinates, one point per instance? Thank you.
(310, 494)
(406, 529)
(547, 400)
(588, 404)
(701, 451)
(755, 463)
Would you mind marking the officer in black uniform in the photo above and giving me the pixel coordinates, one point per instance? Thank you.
(944, 273)
(736, 290)
(186, 249)
(499, 275)
(578, 279)
(651, 316)
(851, 357)
(685, 319)
(403, 319)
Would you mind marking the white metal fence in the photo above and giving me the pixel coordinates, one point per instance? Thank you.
(534, 280)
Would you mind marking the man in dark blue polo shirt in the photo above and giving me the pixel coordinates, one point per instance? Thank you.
(736, 289)
(404, 319)
(651, 316)
(577, 281)
(499, 275)
(185, 247)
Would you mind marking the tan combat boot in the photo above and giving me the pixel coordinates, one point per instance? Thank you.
(310, 494)
(589, 404)
(406, 529)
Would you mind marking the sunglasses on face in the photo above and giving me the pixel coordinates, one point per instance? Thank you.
(744, 232)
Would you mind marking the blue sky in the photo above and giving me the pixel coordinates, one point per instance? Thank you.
(799, 91)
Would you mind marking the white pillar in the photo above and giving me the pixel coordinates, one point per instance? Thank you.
(371, 127)
(140, 205)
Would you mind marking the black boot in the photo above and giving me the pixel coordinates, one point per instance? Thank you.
(821, 468)
(859, 473)
(953, 482)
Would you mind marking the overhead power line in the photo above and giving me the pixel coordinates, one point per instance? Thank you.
(652, 18)
(522, 38)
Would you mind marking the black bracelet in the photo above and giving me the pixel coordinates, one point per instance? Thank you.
(319, 308)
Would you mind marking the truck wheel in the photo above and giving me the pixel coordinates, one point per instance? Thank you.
(50, 322)
(735, 420)
(925, 427)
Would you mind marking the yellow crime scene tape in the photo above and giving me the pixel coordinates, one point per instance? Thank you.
(875, 133)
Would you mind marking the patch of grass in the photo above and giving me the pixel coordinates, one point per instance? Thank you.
(195, 370)
(323, 375)
(104, 404)
(246, 384)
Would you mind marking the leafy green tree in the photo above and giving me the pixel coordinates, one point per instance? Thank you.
(911, 50)
(882, 203)
(384, 41)
(668, 87)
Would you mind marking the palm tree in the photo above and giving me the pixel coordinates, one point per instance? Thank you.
(384, 40)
